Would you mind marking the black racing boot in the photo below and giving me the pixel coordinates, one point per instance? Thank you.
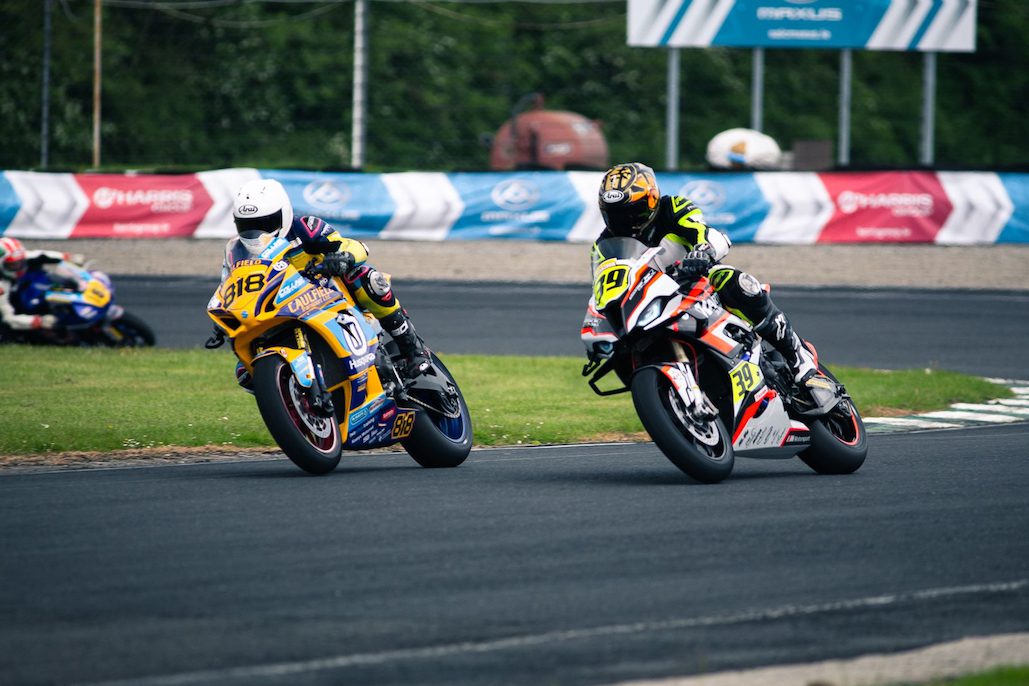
(415, 355)
(777, 330)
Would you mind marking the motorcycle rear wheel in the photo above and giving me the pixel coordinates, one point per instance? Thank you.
(438, 441)
(838, 440)
(709, 460)
(310, 440)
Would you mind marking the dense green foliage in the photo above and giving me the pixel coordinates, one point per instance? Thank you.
(269, 84)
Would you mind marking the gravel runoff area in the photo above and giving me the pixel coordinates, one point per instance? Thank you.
(1004, 267)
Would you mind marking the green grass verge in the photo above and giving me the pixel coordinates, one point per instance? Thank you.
(1002, 676)
(54, 400)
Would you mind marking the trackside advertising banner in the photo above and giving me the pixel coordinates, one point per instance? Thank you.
(874, 208)
(949, 208)
(926, 25)
(140, 206)
(356, 204)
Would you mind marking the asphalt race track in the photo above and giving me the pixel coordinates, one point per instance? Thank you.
(978, 332)
(574, 565)
(568, 565)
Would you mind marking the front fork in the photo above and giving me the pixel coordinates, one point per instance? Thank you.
(306, 371)
(113, 313)
(680, 374)
(321, 399)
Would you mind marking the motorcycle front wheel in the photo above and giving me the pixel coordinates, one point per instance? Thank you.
(700, 449)
(135, 332)
(310, 440)
(438, 440)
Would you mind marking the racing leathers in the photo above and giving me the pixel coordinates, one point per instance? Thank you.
(346, 258)
(13, 314)
(680, 222)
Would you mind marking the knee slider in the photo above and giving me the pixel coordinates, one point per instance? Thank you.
(378, 285)
(749, 286)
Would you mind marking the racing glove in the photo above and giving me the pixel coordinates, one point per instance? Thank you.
(696, 263)
(338, 263)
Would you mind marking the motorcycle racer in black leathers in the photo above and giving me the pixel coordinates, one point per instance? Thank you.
(632, 206)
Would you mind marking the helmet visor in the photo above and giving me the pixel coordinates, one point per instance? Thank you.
(266, 224)
(255, 241)
(628, 219)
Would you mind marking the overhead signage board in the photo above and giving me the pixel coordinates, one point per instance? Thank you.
(907, 25)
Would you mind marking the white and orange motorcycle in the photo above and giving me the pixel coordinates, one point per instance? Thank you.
(704, 384)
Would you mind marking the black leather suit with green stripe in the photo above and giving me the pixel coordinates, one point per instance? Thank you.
(680, 221)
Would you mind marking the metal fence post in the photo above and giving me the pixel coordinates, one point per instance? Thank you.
(672, 112)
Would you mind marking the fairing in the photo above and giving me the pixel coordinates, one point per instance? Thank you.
(336, 348)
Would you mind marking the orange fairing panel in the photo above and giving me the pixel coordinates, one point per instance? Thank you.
(715, 341)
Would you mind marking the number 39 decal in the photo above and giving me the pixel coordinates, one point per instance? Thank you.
(610, 284)
(746, 376)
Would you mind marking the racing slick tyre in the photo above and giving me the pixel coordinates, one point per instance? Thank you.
(135, 332)
(838, 439)
(437, 440)
(700, 449)
(309, 439)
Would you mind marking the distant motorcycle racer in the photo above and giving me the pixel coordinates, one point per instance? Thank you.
(15, 263)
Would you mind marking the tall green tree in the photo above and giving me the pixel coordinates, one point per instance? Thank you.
(270, 84)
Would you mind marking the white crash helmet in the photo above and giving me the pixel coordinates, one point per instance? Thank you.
(261, 211)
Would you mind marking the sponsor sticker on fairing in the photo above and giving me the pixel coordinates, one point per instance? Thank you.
(357, 363)
(289, 288)
(310, 300)
(361, 414)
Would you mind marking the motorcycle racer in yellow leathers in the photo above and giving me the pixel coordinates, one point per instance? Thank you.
(262, 211)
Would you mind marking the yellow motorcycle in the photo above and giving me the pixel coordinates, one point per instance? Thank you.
(324, 377)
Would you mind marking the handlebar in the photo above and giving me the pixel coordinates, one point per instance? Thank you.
(313, 270)
(216, 340)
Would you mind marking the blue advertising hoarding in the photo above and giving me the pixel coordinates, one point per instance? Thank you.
(536, 205)
(356, 204)
(1017, 228)
(732, 203)
(10, 203)
(924, 25)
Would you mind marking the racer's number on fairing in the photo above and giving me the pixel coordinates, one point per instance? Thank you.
(253, 282)
(745, 377)
(609, 284)
(403, 425)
